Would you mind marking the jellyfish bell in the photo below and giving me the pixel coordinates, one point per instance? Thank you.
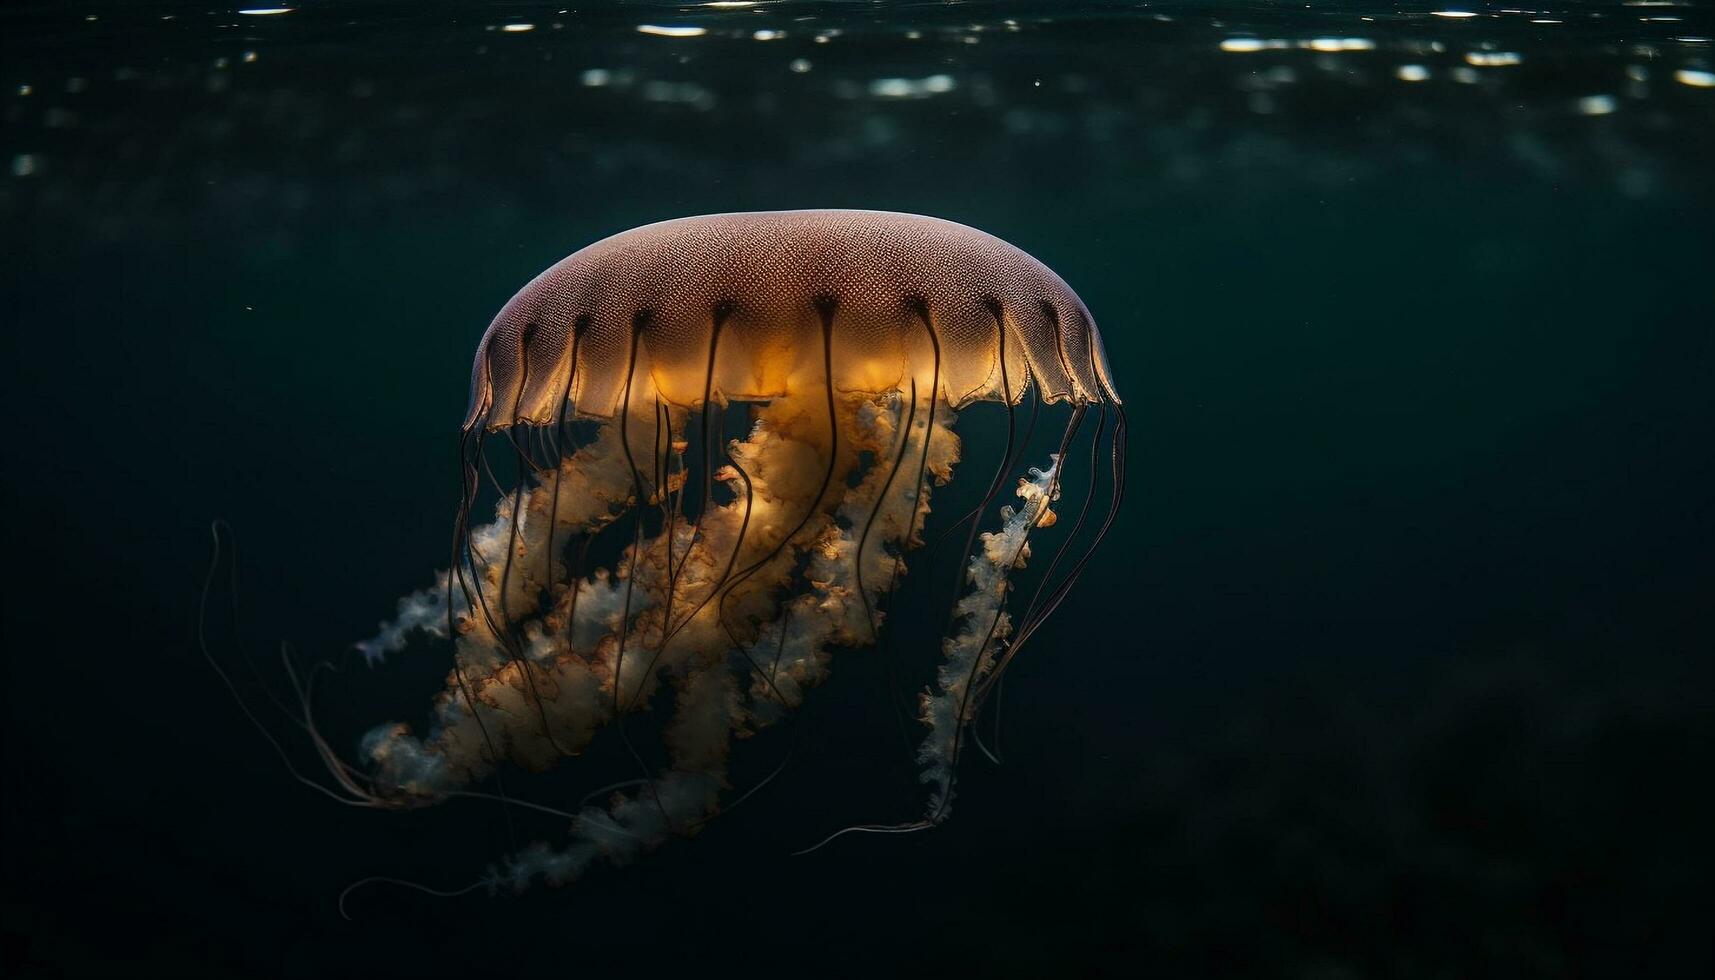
(738, 304)
(643, 555)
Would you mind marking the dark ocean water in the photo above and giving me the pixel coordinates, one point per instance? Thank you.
(1397, 661)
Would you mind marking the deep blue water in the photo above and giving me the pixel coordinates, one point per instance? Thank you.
(1397, 661)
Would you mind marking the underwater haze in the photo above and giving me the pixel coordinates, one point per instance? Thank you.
(1398, 661)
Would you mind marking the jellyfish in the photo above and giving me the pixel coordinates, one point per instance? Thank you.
(748, 415)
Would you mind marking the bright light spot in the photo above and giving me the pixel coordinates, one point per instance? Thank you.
(1492, 59)
(25, 90)
(1545, 20)
(660, 31)
(1597, 105)
(518, 28)
(1695, 79)
(730, 4)
(800, 65)
(249, 57)
(23, 165)
(1246, 44)
(266, 11)
(1454, 14)
(1339, 44)
(910, 88)
(596, 77)
(1411, 73)
(766, 35)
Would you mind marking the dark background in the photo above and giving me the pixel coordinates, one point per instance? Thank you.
(1397, 662)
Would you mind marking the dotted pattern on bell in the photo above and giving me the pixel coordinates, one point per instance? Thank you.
(757, 305)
